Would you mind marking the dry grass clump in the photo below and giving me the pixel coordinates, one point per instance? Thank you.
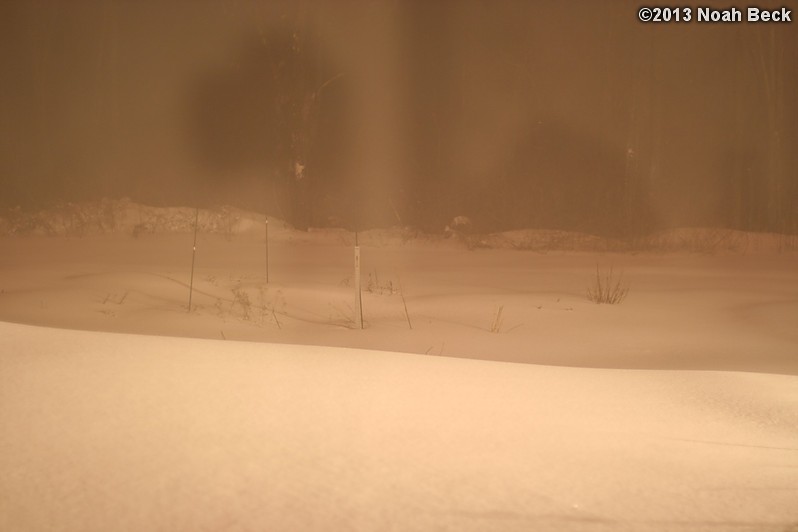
(496, 324)
(607, 289)
(375, 286)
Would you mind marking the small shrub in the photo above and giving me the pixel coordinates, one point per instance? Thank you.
(375, 286)
(241, 298)
(607, 289)
(271, 303)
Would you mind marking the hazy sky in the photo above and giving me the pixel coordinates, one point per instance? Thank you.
(512, 112)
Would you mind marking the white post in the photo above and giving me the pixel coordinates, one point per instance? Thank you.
(193, 257)
(358, 300)
(267, 249)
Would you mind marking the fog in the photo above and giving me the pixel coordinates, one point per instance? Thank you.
(368, 114)
(396, 265)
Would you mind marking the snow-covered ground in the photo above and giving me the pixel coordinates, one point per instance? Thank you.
(675, 410)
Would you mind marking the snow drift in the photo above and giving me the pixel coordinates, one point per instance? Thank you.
(118, 432)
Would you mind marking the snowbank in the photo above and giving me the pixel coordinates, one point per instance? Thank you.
(119, 432)
(130, 218)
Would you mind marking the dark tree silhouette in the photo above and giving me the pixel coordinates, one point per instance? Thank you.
(278, 108)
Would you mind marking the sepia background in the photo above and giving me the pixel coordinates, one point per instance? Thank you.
(362, 114)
